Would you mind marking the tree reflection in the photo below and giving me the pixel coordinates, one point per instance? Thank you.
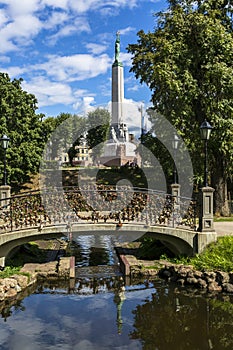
(221, 323)
(178, 321)
(9, 308)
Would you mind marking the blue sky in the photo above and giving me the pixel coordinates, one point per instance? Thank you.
(64, 49)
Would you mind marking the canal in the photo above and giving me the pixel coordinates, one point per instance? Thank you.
(101, 310)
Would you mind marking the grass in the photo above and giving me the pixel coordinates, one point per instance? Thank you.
(217, 256)
(12, 270)
(9, 271)
(222, 219)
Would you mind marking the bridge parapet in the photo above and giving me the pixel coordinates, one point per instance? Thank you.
(70, 205)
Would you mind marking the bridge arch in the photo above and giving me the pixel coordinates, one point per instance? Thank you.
(177, 240)
(9, 241)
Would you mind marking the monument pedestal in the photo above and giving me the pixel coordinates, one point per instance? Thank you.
(118, 154)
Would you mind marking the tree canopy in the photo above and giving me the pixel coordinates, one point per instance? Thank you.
(23, 126)
(187, 62)
(98, 123)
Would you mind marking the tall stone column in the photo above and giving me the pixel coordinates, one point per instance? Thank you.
(175, 189)
(206, 214)
(5, 194)
(206, 233)
(117, 87)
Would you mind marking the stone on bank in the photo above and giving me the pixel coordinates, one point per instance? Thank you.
(31, 273)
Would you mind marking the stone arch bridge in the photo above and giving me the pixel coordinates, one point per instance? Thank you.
(128, 213)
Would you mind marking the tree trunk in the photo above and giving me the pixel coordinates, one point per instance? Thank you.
(221, 203)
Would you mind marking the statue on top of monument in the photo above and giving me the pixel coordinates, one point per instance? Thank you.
(117, 47)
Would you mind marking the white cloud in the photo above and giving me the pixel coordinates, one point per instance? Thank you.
(28, 26)
(78, 26)
(132, 114)
(49, 93)
(5, 59)
(64, 4)
(84, 104)
(82, 6)
(126, 58)
(96, 49)
(86, 5)
(21, 30)
(13, 71)
(25, 7)
(56, 19)
(133, 88)
(126, 30)
(20, 24)
(75, 67)
(3, 18)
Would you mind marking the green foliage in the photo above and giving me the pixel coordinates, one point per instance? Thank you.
(9, 271)
(187, 62)
(221, 219)
(111, 176)
(159, 151)
(217, 256)
(19, 121)
(67, 131)
(151, 248)
(63, 133)
(98, 123)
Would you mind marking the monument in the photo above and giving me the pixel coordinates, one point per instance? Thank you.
(121, 146)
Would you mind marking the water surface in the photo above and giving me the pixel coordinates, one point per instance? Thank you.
(100, 310)
(103, 314)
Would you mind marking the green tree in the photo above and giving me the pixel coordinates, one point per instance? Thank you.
(63, 134)
(98, 123)
(159, 151)
(19, 121)
(187, 62)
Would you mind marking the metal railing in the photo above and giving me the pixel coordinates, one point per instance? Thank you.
(105, 204)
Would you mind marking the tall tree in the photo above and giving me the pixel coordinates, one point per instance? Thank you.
(98, 123)
(187, 62)
(63, 133)
(19, 121)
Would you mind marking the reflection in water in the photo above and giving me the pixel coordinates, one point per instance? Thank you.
(90, 250)
(104, 313)
(101, 310)
(118, 300)
(177, 320)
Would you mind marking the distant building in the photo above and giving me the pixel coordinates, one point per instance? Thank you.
(83, 155)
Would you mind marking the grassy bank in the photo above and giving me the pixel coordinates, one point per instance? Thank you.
(223, 219)
(9, 271)
(217, 256)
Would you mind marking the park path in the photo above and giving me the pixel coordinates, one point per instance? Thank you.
(224, 228)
